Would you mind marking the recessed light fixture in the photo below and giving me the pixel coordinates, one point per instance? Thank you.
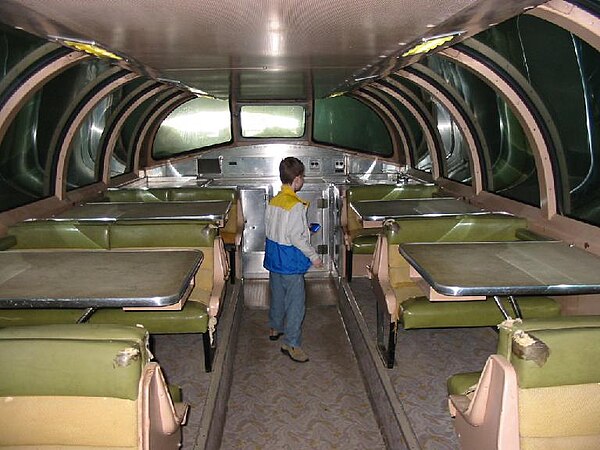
(430, 43)
(89, 47)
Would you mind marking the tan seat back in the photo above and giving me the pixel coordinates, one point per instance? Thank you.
(543, 392)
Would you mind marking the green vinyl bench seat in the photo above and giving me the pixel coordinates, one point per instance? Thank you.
(362, 241)
(231, 233)
(183, 194)
(84, 386)
(401, 299)
(461, 383)
(419, 312)
(540, 390)
(192, 318)
(200, 311)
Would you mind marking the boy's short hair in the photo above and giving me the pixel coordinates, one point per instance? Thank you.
(290, 168)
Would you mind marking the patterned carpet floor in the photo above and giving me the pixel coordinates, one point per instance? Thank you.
(276, 403)
(425, 359)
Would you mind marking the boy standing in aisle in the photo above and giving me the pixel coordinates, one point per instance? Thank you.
(288, 256)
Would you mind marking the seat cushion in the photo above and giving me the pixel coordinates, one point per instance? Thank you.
(161, 233)
(61, 234)
(419, 312)
(364, 243)
(72, 360)
(466, 228)
(508, 328)
(193, 318)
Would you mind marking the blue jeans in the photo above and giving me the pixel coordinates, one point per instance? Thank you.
(286, 311)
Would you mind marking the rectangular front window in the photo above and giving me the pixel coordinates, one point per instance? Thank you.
(272, 121)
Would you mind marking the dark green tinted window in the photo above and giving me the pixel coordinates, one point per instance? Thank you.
(15, 45)
(509, 159)
(84, 160)
(455, 151)
(19, 153)
(346, 122)
(417, 145)
(199, 123)
(121, 160)
(25, 158)
(565, 72)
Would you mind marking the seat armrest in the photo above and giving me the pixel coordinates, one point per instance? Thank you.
(159, 415)
(490, 420)
(220, 274)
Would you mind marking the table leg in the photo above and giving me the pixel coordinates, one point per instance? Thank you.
(86, 315)
(515, 307)
(501, 307)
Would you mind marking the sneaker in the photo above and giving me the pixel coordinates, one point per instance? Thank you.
(295, 353)
(274, 334)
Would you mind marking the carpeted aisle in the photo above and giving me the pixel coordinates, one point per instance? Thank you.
(276, 403)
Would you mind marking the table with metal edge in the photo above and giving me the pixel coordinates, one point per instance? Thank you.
(214, 211)
(373, 213)
(459, 269)
(95, 279)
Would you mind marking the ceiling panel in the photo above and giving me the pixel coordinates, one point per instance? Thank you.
(201, 43)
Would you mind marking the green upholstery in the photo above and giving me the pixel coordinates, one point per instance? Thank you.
(112, 235)
(7, 242)
(175, 393)
(72, 360)
(60, 234)
(33, 317)
(390, 192)
(229, 233)
(192, 318)
(136, 195)
(565, 365)
(419, 312)
(562, 335)
(507, 329)
(163, 233)
(467, 228)
(364, 240)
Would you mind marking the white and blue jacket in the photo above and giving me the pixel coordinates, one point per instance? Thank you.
(287, 248)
